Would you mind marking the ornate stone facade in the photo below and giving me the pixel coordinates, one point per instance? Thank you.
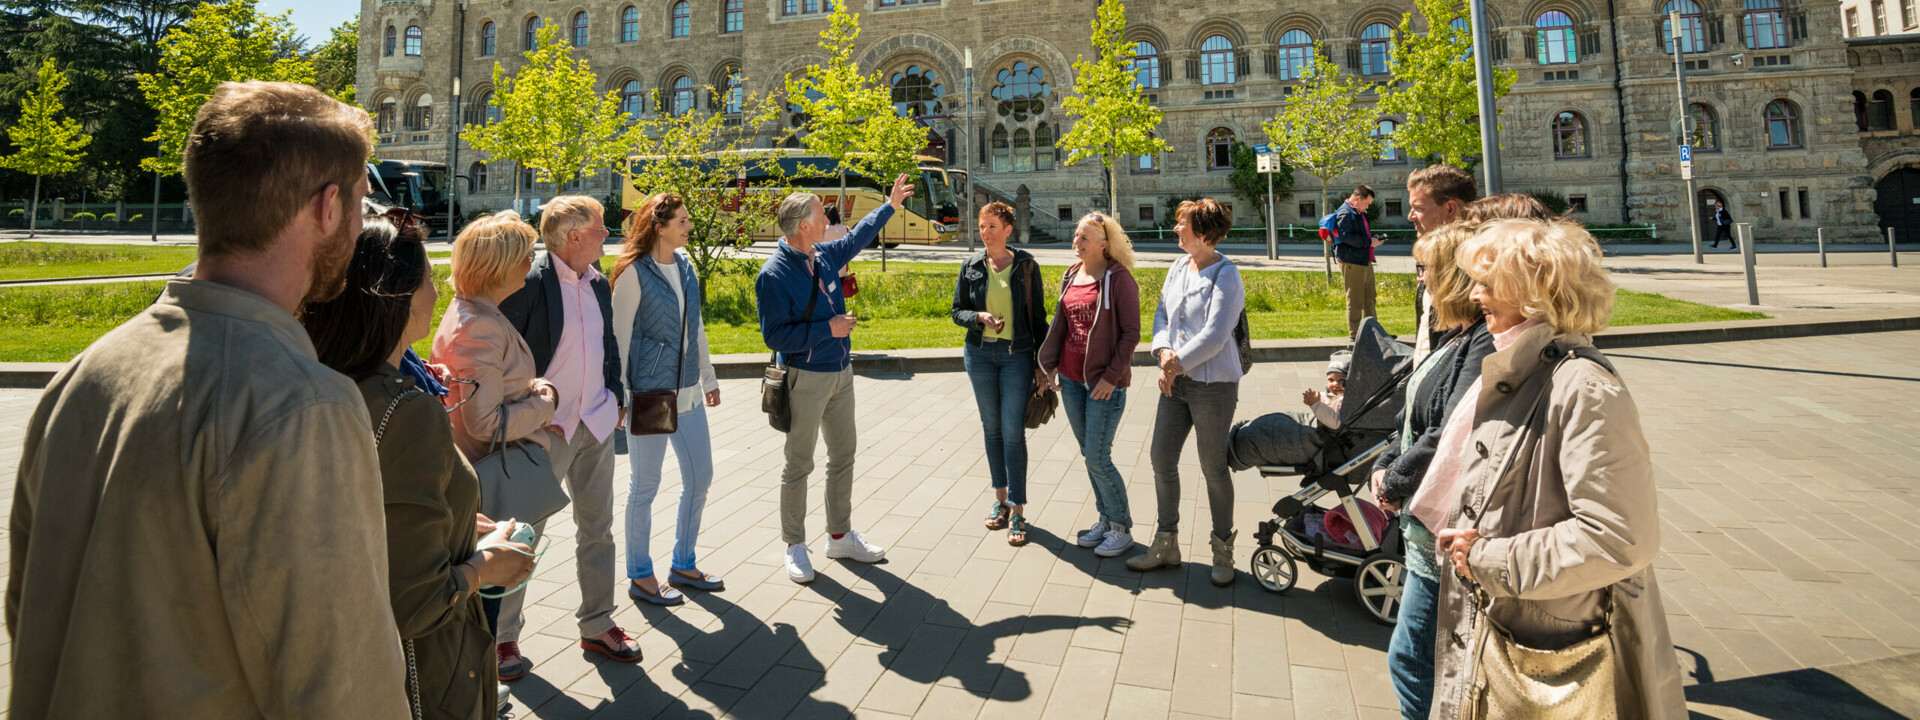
(1591, 116)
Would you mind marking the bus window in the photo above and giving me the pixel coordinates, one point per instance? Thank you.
(934, 187)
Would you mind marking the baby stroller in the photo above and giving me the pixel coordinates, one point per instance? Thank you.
(1353, 538)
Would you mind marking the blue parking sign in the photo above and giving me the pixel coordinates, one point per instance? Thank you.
(1262, 149)
(1686, 153)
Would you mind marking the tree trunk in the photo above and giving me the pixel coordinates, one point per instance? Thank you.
(1326, 249)
(33, 209)
(1113, 191)
(521, 172)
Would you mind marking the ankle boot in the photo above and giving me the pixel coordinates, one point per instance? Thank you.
(1164, 553)
(1222, 575)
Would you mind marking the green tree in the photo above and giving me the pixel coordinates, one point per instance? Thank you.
(1438, 92)
(1250, 185)
(551, 121)
(849, 116)
(1323, 129)
(224, 41)
(699, 156)
(44, 142)
(1111, 117)
(336, 61)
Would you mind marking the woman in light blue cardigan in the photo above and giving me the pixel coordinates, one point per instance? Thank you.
(1200, 303)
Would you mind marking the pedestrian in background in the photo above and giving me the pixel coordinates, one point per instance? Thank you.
(197, 525)
(1723, 226)
(658, 322)
(1354, 250)
(1088, 354)
(998, 299)
(1200, 303)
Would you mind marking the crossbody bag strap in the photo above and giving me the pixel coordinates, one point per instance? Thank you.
(813, 296)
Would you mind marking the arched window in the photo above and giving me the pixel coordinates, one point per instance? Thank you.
(1043, 147)
(1296, 53)
(533, 32)
(414, 39)
(387, 50)
(1002, 160)
(488, 33)
(1461, 25)
(1021, 91)
(1147, 163)
(630, 24)
(1913, 105)
(1383, 134)
(482, 111)
(580, 29)
(1765, 25)
(384, 119)
(734, 18)
(1693, 37)
(1022, 151)
(1860, 111)
(1569, 135)
(1783, 125)
(916, 93)
(1880, 111)
(632, 100)
(1553, 33)
(1376, 46)
(1216, 61)
(477, 178)
(1220, 149)
(682, 19)
(1146, 65)
(683, 96)
(735, 95)
(420, 116)
(1706, 129)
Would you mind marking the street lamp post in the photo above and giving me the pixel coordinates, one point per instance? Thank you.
(1483, 72)
(453, 118)
(966, 155)
(1686, 161)
(153, 222)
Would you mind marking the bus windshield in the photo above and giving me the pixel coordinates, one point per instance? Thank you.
(934, 187)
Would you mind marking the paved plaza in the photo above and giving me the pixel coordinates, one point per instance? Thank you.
(1788, 474)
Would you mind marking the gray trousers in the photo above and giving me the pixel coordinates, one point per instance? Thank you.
(1206, 409)
(585, 466)
(822, 402)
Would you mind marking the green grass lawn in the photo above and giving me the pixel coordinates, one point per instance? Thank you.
(904, 308)
(36, 260)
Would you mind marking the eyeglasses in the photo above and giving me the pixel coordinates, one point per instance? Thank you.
(469, 393)
(1419, 267)
(402, 218)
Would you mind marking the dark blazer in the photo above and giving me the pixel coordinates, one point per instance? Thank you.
(538, 313)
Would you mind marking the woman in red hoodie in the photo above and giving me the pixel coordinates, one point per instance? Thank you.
(1095, 328)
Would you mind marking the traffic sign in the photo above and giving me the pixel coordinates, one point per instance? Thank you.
(1686, 153)
(1263, 149)
(1268, 163)
(1686, 169)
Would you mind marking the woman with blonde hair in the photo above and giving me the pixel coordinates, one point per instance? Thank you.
(1542, 489)
(1096, 326)
(1437, 385)
(663, 346)
(478, 344)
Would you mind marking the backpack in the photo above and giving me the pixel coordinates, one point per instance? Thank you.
(1329, 231)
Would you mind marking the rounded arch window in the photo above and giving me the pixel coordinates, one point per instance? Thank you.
(682, 19)
(734, 97)
(1383, 134)
(1880, 111)
(1706, 128)
(683, 95)
(1376, 48)
(1021, 91)
(1553, 39)
(1146, 65)
(1296, 53)
(1216, 61)
(477, 177)
(488, 35)
(420, 116)
(629, 24)
(1693, 37)
(384, 119)
(916, 92)
(387, 49)
(1764, 24)
(632, 99)
(733, 18)
(1569, 135)
(580, 29)
(1220, 149)
(1783, 125)
(414, 39)
(533, 32)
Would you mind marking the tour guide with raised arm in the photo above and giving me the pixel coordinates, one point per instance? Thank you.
(804, 319)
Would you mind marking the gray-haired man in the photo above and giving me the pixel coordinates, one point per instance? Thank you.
(804, 318)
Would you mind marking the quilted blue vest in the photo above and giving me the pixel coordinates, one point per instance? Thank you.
(657, 332)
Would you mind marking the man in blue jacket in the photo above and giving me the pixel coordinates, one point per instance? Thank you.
(1354, 250)
(804, 319)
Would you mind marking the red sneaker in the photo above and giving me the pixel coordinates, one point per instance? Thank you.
(513, 665)
(614, 644)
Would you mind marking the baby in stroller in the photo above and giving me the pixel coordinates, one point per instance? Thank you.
(1326, 407)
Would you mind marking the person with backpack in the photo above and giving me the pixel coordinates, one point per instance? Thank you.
(1201, 303)
(1353, 247)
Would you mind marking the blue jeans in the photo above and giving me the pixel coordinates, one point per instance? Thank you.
(693, 447)
(1002, 382)
(1410, 652)
(1094, 422)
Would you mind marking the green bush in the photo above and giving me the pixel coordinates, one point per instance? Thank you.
(16, 213)
(110, 217)
(136, 218)
(83, 216)
(1555, 202)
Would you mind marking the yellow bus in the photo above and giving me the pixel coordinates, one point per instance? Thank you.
(930, 217)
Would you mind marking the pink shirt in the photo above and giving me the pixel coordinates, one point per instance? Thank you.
(578, 369)
(1436, 496)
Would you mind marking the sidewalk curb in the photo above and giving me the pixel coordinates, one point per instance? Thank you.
(24, 375)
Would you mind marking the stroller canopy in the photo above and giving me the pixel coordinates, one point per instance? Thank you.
(1376, 383)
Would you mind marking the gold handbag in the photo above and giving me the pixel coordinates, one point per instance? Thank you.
(1511, 680)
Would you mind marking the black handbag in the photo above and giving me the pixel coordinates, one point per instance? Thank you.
(657, 412)
(1040, 407)
(776, 383)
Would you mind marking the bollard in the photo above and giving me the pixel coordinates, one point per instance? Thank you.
(1892, 254)
(1745, 231)
(1821, 234)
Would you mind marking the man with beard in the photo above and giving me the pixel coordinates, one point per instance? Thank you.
(197, 525)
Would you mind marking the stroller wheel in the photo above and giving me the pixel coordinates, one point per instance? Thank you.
(1274, 568)
(1378, 584)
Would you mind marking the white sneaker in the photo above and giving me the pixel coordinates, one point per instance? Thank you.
(1117, 540)
(854, 546)
(1094, 534)
(799, 568)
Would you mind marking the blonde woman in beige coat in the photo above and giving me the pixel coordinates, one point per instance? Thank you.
(1548, 504)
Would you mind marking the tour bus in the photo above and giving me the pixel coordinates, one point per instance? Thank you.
(930, 217)
(419, 186)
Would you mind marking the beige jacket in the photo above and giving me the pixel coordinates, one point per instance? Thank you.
(197, 528)
(1572, 512)
(475, 342)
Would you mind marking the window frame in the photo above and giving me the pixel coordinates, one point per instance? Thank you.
(1148, 164)
(680, 20)
(1148, 63)
(1388, 154)
(629, 24)
(580, 29)
(1560, 37)
(1218, 61)
(1294, 56)
(1705, 129)
(1376, 50)
(684, 96)
(633, 98)
(489, 39)
(1790, 121)
(734, 97)
(1577, 130)
(1691, 25)
(392, 42)
(1879, 12)
(733, 16)
(413, 41)
(1768, 15)
(1881, 102)
(533, 25)
(1219, 147)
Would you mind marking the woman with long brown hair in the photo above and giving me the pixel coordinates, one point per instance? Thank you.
(663, 346)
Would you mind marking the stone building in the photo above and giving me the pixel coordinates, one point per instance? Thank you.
(1591, 116)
